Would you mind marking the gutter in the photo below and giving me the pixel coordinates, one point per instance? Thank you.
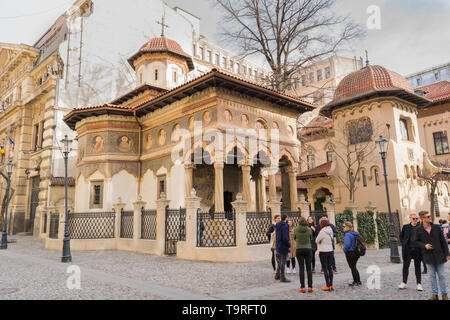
(139, 153)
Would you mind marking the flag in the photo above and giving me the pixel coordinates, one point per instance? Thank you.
(2, 151)
(12, 142)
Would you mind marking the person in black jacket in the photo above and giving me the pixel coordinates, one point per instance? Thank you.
(430, 239)
(272, 238)
(283, 244)
(313, 227)
(410, 252)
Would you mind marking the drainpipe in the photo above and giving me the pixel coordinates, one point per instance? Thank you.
(139, 153)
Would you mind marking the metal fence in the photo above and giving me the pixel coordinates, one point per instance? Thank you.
(92, 225)
(54, 226)
(148, 224)
(215, 230)
(126, 224)
(175, 229)
(294, 216)
(257, 225)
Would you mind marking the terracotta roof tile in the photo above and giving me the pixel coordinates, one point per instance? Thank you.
(61, 181)
(438, 92)
(320, 171)
(317, 124)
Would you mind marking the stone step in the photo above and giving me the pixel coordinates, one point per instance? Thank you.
(24, 234)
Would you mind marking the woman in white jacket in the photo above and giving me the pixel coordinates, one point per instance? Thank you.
(324, 242)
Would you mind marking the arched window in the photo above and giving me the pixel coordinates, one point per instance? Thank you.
(407, 172)
(156, 74)
(377, 177)
(364, 177)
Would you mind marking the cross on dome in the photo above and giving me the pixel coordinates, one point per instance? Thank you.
(163, 25)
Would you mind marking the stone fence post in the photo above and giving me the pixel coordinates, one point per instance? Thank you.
(161, 204)
(329, 204)
(373, 209)
(192, 206)
(137, 217)
(118, 208)
(354, 209)
(240, 207)
(303, 205)
(274, 206)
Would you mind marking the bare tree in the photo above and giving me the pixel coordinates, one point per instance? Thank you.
(353, 147)
(433, 177)
(289, 34)
(2, 212)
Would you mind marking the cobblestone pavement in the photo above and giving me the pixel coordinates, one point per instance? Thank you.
(28, 271)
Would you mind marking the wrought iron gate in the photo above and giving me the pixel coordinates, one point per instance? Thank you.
(34, 201)
(175, 229)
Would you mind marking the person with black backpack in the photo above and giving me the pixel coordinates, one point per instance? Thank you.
(354, 248)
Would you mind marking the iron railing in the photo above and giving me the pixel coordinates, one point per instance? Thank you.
(92, 225)
(148, 224)
(257, 225)
(45, 224)
(216, 230)
(54, 226)
(126, 224)
(175, 229)
(294, 216)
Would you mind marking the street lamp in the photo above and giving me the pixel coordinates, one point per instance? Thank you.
(9, 169)
(383, 145)
(66, 255)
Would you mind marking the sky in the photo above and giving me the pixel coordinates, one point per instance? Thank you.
(414, 34)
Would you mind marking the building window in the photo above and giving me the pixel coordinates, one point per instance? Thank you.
(329, 156)
(319, 75)
(210, 56)
(36, 136)
(304, 80)
(377, 177)
(195, 50)
(419, 82)
(232, 65)
(202, 53)
(41, 134)
(436, 76)
(311, 77)
(404, 129)
(436, 206)
(238, 68)
(175, 77)
(364, 178)
(224, 62)
(440, 143)
(311, 162)
(161, 187)
(327, 73)
(217, 59)
(156, 75)
(96, 201)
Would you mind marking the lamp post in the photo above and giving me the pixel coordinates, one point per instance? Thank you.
(382, 145)
(66, 255)
(4, 245)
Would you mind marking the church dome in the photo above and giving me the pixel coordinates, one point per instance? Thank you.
(369, 82)
(165, 45)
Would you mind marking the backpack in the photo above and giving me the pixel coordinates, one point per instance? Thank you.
(360, 246)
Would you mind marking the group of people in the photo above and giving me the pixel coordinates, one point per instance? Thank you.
(424, 241)
(302, 243)
(421, 240)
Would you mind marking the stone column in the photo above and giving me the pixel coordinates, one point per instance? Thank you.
(218, 187)
(118, 208)
(272, 185)
(246, 194)
(351, 207)
(304, 206)
(192, 206)
(189, 177)
(137, 218)
(329, 204)
(292, 172)
(372, 208)
(240, 207)
(274, 206)
(262, 193)
(161, 204)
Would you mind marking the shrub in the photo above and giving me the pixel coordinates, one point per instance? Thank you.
(340, 219)
(366, 226)
(383, 230)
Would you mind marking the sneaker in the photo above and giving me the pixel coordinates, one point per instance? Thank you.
(302, 290)
(325, 288)
(353, 284)
(288, 270)
(294, 271)
(359, 283)
(403, 286)
(310, 290)
(284, 280)
(335, 271)
(331, 288)
(313, 271)
(419, 287)
(321, 271)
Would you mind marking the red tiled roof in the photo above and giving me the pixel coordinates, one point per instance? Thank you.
(61, 181)
(300, 184)
(371, 81)
(320, 171)
(438, 92)
(317, 124)
(162, 45)
(212, 78)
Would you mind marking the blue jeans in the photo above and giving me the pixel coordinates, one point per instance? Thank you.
(440, 270)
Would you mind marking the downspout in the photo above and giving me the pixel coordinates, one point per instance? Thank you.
(139, 153)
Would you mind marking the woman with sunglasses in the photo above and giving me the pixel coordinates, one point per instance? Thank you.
(430, 239)
(411, 252)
